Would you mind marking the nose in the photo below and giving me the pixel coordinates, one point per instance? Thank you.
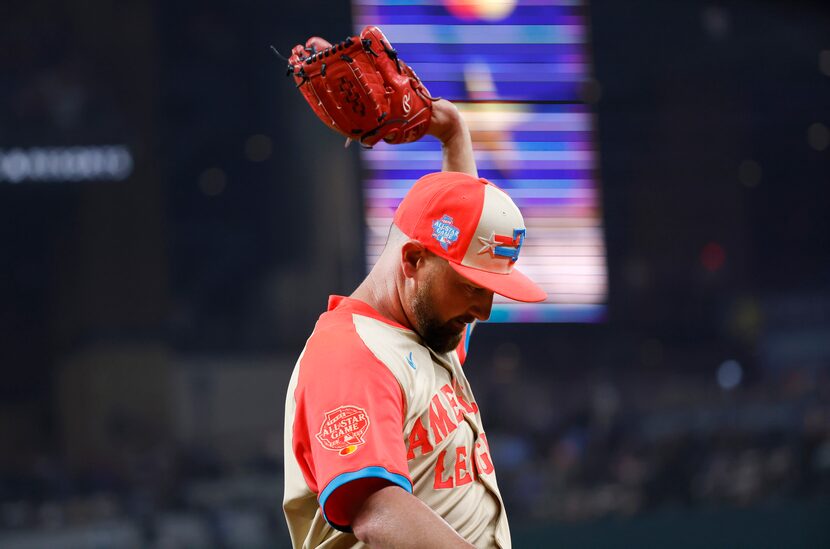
(482, 305)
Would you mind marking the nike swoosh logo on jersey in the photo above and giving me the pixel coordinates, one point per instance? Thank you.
(411, 362)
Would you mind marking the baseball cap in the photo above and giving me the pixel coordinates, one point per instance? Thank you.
(472, 224)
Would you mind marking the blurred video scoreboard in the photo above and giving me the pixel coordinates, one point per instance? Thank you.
(517, 69)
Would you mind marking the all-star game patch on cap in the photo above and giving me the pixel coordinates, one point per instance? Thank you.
(472, 224)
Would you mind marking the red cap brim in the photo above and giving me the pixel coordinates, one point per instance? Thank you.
(514, 286)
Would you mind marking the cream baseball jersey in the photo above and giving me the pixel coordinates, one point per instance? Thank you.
(368, 399)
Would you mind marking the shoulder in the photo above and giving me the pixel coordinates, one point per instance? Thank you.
(351, 346)
(335, 344)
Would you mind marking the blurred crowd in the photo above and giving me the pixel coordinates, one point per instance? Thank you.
(604, 449)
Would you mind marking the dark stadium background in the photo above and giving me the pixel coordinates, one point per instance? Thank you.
(148, 326)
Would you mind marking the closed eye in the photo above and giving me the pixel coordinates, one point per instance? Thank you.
(473, 290)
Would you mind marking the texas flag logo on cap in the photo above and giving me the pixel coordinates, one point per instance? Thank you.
(504, 246)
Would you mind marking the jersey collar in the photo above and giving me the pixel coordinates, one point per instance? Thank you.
(351, 305)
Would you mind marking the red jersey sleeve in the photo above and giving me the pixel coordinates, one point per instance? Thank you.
(348, 423)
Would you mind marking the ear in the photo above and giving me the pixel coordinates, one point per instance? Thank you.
(413, 257)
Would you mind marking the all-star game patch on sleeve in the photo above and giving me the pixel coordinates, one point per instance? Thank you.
(348, 423)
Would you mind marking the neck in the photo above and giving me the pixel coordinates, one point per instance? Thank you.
(380, 290)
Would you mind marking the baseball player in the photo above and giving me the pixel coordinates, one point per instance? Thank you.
(384, 441)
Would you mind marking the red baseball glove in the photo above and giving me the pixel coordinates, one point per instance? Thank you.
(361, 89)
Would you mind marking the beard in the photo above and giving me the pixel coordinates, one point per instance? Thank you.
(441, 337)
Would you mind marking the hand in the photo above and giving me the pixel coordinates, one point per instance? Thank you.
(445, 122)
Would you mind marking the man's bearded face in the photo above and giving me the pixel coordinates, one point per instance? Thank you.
(439, 335)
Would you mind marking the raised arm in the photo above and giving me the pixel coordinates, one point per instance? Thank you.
(449, 127)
